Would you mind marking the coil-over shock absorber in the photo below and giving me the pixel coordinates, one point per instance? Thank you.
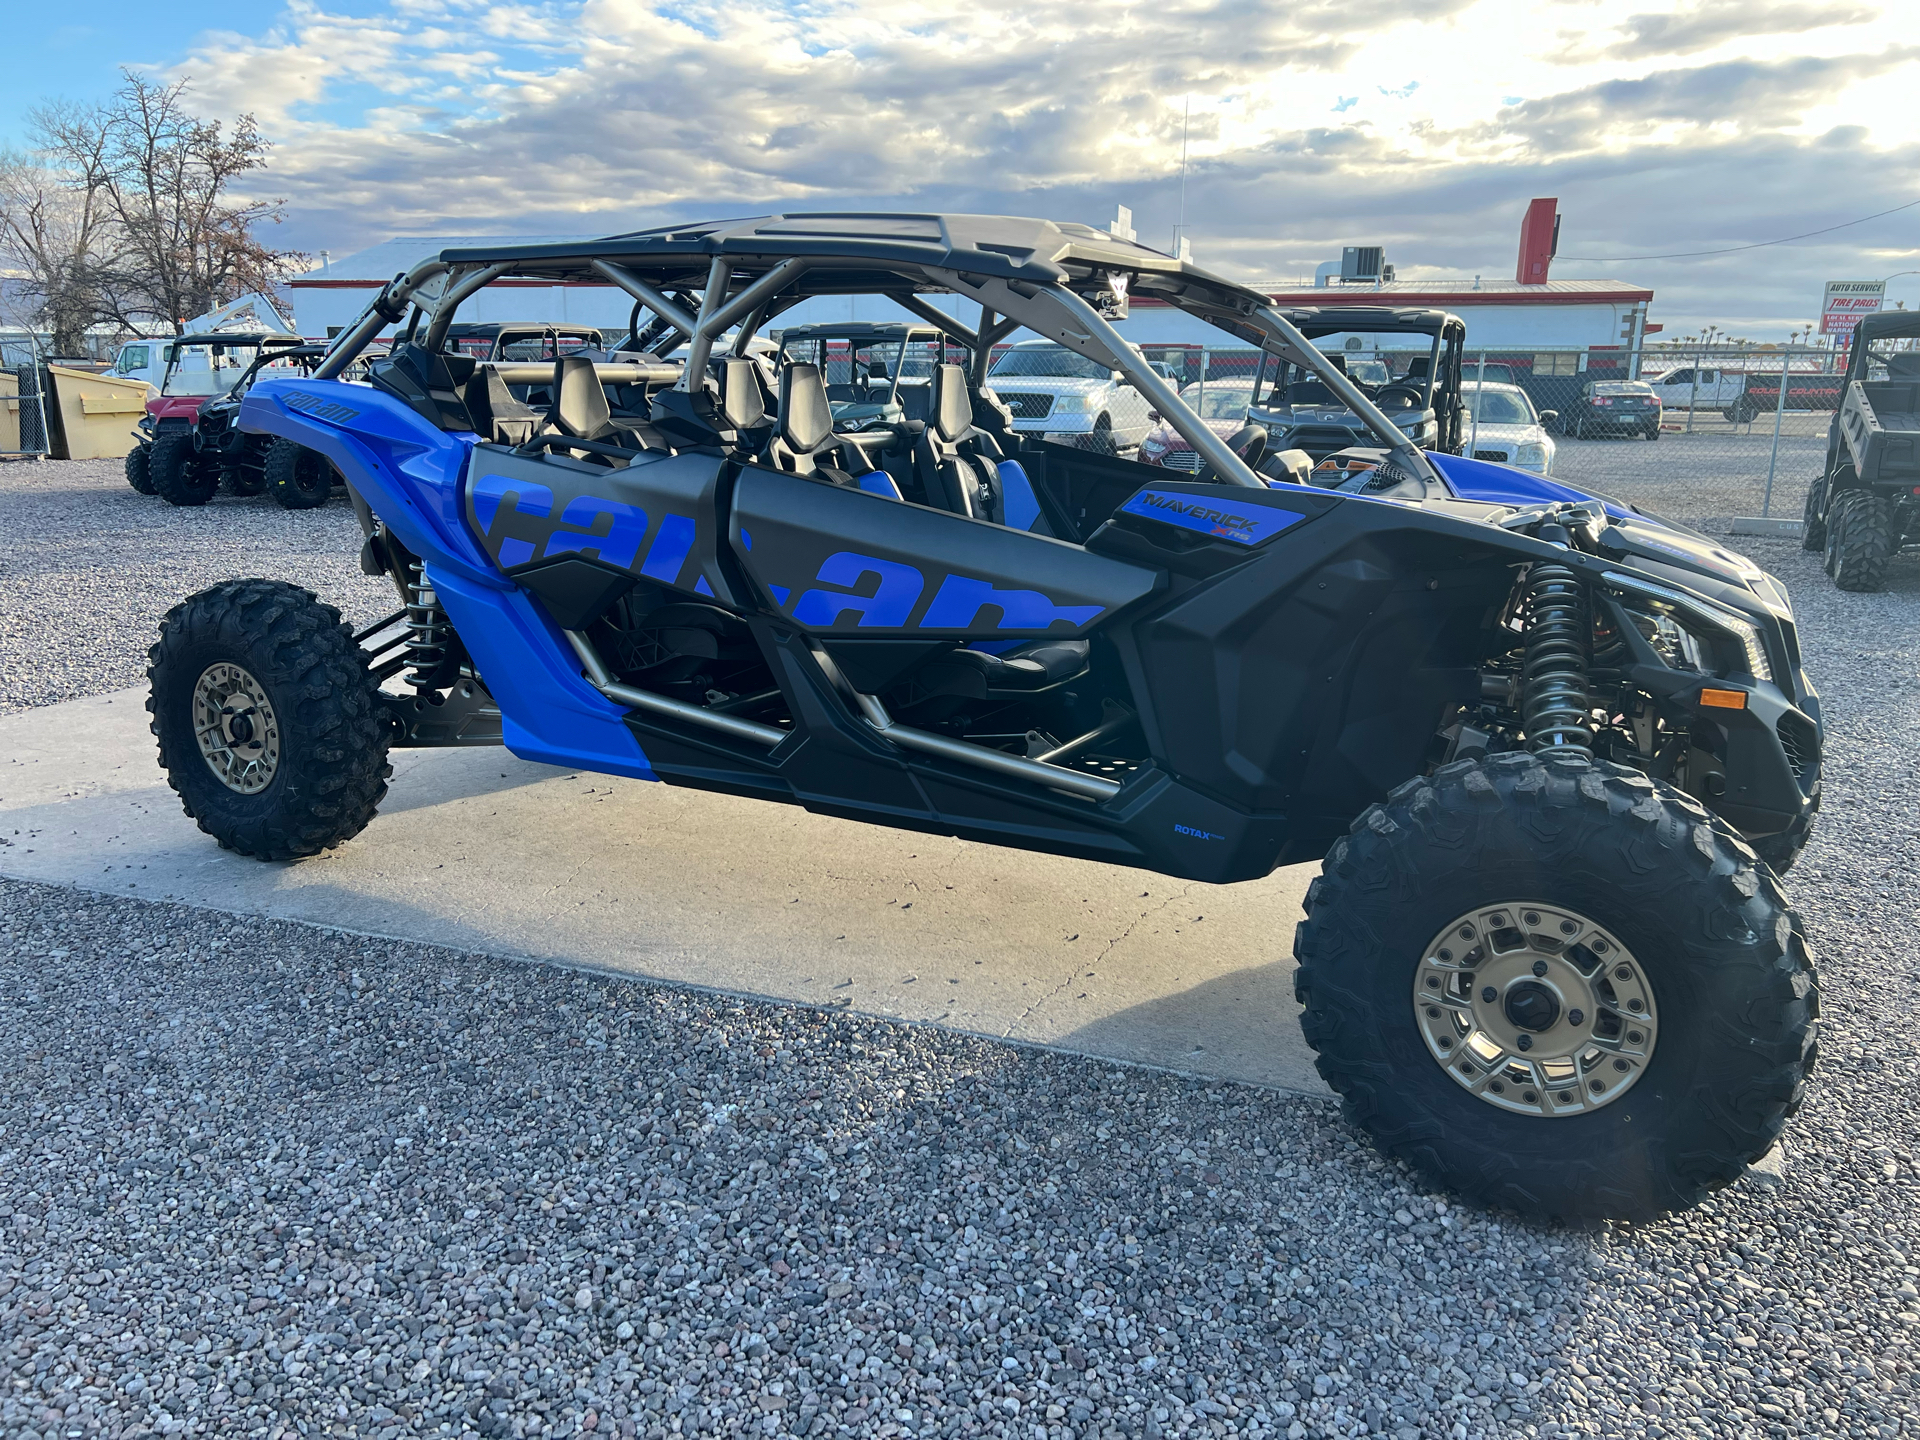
(1553, 690)
(429, 635)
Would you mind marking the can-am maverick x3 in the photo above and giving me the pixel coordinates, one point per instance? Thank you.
(1544, 964)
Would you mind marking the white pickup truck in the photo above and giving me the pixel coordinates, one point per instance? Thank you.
(1069, 399)
(1701, 387)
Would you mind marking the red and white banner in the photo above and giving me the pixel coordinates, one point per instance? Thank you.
(1846, 301)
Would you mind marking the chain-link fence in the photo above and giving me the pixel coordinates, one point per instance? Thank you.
(1699, 434)
(23, 413)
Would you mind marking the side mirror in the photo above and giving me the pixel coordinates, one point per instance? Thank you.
(1547, 417)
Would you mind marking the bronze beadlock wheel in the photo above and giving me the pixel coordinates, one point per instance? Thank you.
(238, 732)
(1534, 1008)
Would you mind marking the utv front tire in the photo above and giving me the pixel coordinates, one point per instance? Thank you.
(180, 476)
(1631, 870)
(1860, 540)
(269, 722)
(1813, 517)
(139, 470)
(299, 478)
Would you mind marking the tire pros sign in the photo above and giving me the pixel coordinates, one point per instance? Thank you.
(1846, 301)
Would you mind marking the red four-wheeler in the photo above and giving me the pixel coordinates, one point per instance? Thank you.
(193, 446)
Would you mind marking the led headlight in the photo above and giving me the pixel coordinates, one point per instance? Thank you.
(1694, 615)
(1069, 404)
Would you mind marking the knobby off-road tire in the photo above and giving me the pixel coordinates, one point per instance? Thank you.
(1813, 517)
(241, 480)
(299, 478)
(1782, 851)
(1724, 963)
(330, 770)
(180, 476)
(139, 470)
(1860, 540)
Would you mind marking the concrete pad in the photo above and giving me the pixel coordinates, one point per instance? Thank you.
(1760, 525)
(478, 850)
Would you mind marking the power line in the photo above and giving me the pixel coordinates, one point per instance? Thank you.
(1736, 249)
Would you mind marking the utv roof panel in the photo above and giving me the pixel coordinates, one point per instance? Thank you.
(1889, 325)
(866, 251)
(235, 339)
(1314, 321)
(858, 330)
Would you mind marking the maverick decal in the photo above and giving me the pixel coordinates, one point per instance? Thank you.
(1243, 525)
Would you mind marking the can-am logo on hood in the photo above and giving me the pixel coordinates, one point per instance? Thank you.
(1243, 525)
(318, 407)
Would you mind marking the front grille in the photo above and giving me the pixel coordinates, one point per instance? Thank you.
(1028, 407)
(1499, 455)
(1188, 460)
(1320, 441)
(1801, 740)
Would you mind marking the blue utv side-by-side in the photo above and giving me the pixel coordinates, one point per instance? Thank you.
(1551, 753)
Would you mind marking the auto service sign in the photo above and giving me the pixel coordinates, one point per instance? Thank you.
(1846, 301)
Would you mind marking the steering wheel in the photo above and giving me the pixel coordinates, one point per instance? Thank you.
(1399, 397)
(1249, 442)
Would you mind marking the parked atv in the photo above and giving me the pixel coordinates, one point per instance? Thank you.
(1865, 504)
(188, 467)
(197, 368)
(1530, 734)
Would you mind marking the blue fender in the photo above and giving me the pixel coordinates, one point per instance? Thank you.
(410, 474)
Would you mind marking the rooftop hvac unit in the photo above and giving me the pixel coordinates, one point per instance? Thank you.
(1363, 262)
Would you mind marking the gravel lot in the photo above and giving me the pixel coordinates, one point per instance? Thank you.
(260, 1178)
(91, 567)
(1716, 470)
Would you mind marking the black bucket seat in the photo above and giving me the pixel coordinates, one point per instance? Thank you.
(957, 463)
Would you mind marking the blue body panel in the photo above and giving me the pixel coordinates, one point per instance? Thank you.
(410, 474)
(1504, 485)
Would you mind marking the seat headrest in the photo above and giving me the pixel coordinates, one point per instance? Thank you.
(579, 400)
(806, 420)
(952, 406)
(740, 399)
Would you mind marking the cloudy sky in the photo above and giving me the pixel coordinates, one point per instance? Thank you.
(1693, 125)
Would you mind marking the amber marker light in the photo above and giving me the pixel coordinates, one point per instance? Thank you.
(1724, 699)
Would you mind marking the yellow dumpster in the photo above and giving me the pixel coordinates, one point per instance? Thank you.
(92, 416)
(9, 412)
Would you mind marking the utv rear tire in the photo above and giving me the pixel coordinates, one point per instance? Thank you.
(1732, 987)
(299, 478)
(330, 769)
(1813, 517)
(242, 480)
(138, 468)
(180, 476)
(1860, 540)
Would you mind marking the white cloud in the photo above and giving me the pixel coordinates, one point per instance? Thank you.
(1316, 124)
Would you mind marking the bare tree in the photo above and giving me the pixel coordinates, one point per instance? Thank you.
(141, 220)
(54, 224)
